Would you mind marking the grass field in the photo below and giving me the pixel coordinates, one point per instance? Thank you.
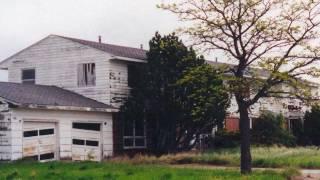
(274, 157)
(119, 171)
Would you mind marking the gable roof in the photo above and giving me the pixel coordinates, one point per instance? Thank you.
(122, 51)
(40, 96)
(134, 54)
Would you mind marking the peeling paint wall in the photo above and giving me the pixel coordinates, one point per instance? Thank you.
(56, 59)
(64, 120)
(5, 133)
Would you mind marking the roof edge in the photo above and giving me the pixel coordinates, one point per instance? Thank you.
(2, 63)
(68, 108)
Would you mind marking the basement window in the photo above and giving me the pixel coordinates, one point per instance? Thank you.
(134, 135)
(28, 76)
(86, 74)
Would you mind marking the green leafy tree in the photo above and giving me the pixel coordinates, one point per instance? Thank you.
(276, 35)
(269, 129)
(177, 94)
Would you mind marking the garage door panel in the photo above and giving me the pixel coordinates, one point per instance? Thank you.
(86, 134)
(39, 140)
(78, 153)
(30, 150)
(93, 154)
(86, 139)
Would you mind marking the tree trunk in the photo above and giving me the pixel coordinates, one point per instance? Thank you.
(245, 139)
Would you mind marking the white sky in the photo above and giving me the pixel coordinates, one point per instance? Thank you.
(122, 22)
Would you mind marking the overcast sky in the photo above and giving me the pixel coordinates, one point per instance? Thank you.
(122, 22)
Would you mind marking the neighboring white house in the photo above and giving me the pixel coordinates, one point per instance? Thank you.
(60, 99)
(292, 108)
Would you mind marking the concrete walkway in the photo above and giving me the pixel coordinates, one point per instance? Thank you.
(306, 174)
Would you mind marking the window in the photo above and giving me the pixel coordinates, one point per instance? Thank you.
(86, 126)
(133, 75)
(86, 75)
(92, 143)
(47, 156)
(43, 132)
(30, 133)
(29, 76)
(77, 141)
(134, 134)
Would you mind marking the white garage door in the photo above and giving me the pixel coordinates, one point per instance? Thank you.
(39, 141)
(86, 141)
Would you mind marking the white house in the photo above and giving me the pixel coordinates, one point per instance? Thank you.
(60, 99)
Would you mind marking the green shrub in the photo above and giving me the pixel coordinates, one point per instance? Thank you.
(269, 129)
(312, 126)
(225, 139)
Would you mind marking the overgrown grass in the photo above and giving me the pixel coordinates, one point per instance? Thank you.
(271, 157)
(119, 171)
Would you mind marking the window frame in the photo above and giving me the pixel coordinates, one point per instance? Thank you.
(86, 84)
(25, 81)
(134, 137)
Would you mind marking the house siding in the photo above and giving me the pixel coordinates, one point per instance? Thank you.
(55, 60)
(64, 120)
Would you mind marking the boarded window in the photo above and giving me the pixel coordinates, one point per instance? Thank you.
(86, 75)
(28, 76)
(134, 134)
(87, 126)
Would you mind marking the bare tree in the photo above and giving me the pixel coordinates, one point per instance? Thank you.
(280, 36)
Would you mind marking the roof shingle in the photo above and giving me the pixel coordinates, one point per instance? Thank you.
(24, 94)
(116, 50)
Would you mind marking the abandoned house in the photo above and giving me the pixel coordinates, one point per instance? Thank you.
(61, 98)
(63, 95)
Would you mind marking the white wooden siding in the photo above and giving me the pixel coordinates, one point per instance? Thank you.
(64, 121)
(6, 138)
(56, 59)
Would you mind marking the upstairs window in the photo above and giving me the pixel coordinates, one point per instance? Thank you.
(86, 75)
(28, 76)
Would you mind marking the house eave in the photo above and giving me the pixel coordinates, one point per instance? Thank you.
(113, 57)
(68, 108)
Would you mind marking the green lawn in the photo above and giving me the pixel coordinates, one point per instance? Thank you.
(299, 157)
(274, 157)
(118, 171)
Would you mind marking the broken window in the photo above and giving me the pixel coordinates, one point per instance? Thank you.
(134, 134)
(86, 74)
(28, 76)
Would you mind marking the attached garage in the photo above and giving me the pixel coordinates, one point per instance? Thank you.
(47, 123)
